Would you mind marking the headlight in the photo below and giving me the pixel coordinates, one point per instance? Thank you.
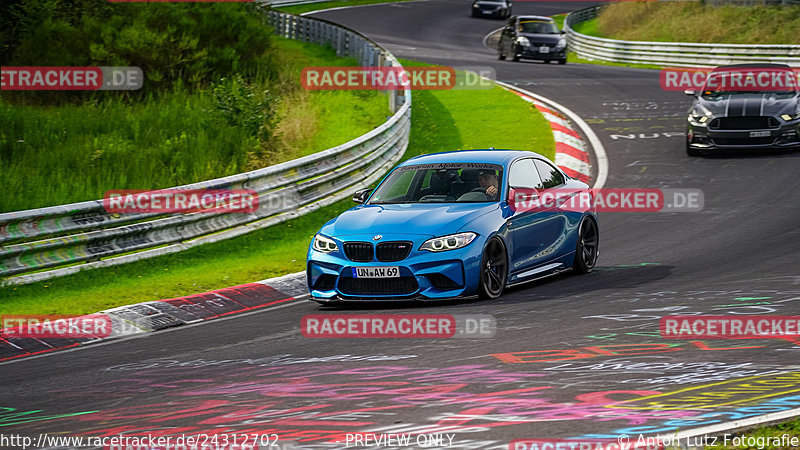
(451, 242)
(697, 119)
(790, 117)
(561, 44)
(323, 244)
(523, 41)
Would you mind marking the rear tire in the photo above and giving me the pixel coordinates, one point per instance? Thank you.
(587, 248)
(493, 270)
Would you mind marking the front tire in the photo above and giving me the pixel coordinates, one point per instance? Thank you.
(562, 61)
(691, 151)
(587, 248)
(494, 269)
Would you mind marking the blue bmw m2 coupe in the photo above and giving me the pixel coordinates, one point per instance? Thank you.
(450, 225)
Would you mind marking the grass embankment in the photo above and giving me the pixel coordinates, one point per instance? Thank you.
(441, 120)
(75, 152)
(678, 22)
(695, 22)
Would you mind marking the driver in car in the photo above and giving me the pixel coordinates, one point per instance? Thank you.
(487, 180)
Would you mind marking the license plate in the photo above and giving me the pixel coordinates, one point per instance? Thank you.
(760, 134)
(376, 272)
(487, 12)
(544, 49)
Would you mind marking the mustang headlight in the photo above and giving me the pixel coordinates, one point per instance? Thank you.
(790, 117)
(451, 242)
(323, 244)
(523, 41)
(561, 44)
(699, 120)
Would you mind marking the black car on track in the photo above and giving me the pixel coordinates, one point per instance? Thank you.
(532, 37)
(500, 9)
(744, 106)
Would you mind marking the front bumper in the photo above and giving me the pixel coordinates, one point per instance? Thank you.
(534, 51)
(705, 139)
(423, 276)
(479, 12)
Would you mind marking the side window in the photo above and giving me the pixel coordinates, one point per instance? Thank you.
(426, 181)
(523, 174)
(551, 177)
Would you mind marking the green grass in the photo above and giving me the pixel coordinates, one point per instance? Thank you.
(300, 9)
(679, 22)
(559, 18)
(71, 153)
(441, 120)
(791, 428)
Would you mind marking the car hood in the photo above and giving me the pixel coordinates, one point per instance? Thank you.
(539, 38)
(491, 4)
(749, 104)
(421, 219)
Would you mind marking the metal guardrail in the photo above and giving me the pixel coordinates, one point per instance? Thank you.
(672, 54)
(84, 232)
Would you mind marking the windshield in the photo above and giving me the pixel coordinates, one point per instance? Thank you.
(538, 27)
(751, 81)
(441, 183)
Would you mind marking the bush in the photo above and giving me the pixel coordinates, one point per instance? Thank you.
(192, 43)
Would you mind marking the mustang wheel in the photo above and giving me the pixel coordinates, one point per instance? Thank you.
(691, 151)
(587, 249)
(494, 269)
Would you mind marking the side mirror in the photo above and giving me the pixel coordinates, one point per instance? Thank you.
(562, 32)
(690, 92)
(362, 195)
(511, 200)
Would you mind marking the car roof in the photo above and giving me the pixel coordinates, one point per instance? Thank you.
(751, 66)
(549, 19)
(491, 156)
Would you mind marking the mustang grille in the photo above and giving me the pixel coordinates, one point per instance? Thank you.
(392, 251)
(378, 286)
(743, 123)
(744, 141)
(358, 251)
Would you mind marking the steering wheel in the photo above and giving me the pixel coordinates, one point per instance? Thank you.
(479, 189)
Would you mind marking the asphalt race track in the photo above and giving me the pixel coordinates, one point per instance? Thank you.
(573, 356)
